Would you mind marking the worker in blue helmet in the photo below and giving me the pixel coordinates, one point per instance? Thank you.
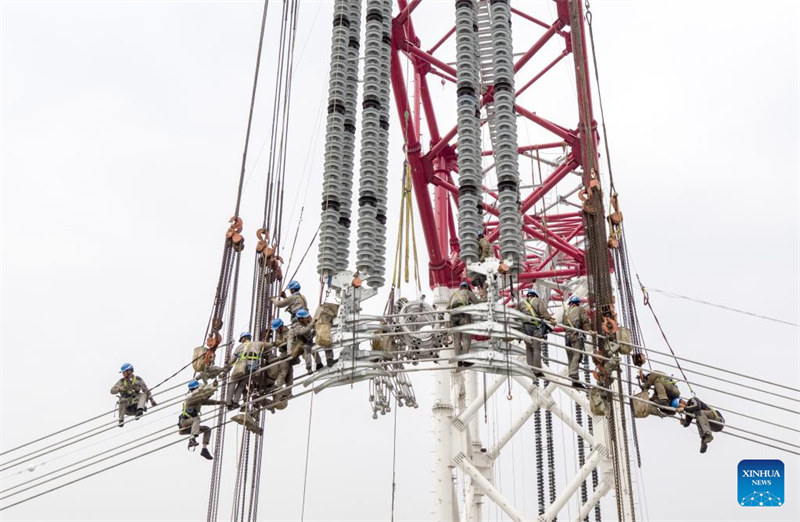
(707, 418)
(278, 372)
(189, 419)
(301, 340)
(461, 340)
(537, 327)
(244, 362)
(665, 389)
(132, 393)
(293, 302)
(576, 318)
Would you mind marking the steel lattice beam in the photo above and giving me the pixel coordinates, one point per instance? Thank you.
(560, 247)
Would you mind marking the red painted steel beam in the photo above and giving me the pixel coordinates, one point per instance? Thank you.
(528, 148)
(442, 40)
(406, 12)
(439, 270)
(565, 134)
(541, 73)
(553, 29)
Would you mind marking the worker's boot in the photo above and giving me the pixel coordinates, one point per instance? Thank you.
(139, 413)
(206, 454)
(320, 366)
(686, 421)
(704, 442)
(193, 443)
(233, 405)
(121, 423)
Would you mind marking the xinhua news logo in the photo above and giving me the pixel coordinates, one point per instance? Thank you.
(761, 483)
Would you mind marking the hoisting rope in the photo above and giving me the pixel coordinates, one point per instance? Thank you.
(406, 236)
(646, 298)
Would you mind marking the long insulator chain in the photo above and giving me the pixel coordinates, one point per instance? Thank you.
(374, 144)
(615, 453)
(548, 426)
(353, 65)
(581, 452)
(470, 176)
(627, 455)
(590, 426)
(537, 428)
(505, 128)
(334, 240)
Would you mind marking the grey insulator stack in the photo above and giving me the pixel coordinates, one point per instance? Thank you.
(470, 176)
(505, 147)
(348, 146)
(374, 143)
(333, 237)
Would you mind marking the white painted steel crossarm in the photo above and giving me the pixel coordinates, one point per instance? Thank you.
(572, 486)
(463, 418)
(463, 462)
(602, 489)
(521, 420)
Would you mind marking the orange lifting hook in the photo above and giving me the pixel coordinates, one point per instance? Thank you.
(262, 235)
(234, 232)
(213, 340)
(609, 326)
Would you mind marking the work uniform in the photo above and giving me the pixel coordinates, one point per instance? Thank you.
(248, 355)
(537, 328)
(133, 395)
(293, 303)
(576, 317)
(461, 297)
(665, 388)
(189, 419)
(707, 418)
(485, 250)
(273, 352)
(301, 342)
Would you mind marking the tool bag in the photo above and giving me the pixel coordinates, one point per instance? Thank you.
(323, 321)
(199, 362)
(641, 407)
(596, 403)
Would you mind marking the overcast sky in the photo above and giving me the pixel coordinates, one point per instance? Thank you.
(122, 128)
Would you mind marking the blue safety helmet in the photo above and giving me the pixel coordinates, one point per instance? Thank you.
(245, 334)
(675, 403)
(531, 292)
(193, 385)
(125, 367)
(302, 313)
(574, 299)
(293, 285)
(463, 284)
(277, 323)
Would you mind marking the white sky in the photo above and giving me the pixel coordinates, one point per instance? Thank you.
(122, 127)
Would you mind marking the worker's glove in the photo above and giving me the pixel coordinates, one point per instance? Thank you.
(153, 403)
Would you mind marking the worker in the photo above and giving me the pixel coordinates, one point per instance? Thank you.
(294, 302)
(708, 419)
(189, 419)
(244, 360)
(577, 318)
(537, 327)
(485, 250)
(461, 297)
(301, 339)
(665, 389)
(133, 394)
(275, 349)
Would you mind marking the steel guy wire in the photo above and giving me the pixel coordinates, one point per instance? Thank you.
(715, 305)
